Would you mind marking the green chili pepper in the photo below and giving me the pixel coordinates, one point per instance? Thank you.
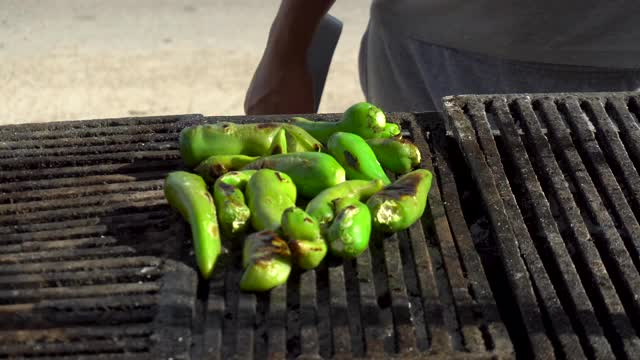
(305, 241)
(321, 207)
(349, 233)
(224, 138)
(233, 212)
(269, 194)
(188, 194)
(390, 130)
(396, 155)
(267, 261)
(400, 204)
(218, 165)
(312, 172)
(357, 158)
(362, 119)
(279, 143)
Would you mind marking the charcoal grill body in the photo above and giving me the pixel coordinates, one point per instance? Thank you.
(529, 245)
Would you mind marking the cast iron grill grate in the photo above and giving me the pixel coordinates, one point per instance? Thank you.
(93, 263)
(557, 176)
(80, 210)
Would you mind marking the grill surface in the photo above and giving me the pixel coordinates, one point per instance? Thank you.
(87, 252)
(94, 263)
(560, 191)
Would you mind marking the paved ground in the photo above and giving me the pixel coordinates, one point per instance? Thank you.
(80, 59)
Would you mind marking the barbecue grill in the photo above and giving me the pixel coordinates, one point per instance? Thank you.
(530, 245)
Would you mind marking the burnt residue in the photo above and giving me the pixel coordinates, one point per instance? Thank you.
(216, 170)
(280, 177)
(351, 160)
(267, 126)
(405, 187)
(277, 149)
(226, 188)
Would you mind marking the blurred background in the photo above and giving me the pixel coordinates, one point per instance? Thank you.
(84, 59)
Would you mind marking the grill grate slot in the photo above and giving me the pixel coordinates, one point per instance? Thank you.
(574, 186)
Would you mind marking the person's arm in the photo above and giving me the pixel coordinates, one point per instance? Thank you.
(282, 83)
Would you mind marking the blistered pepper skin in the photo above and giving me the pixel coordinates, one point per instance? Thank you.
(233, 211)
(217, 165)
(269, 193)
(363, 119)
(349, 233)
(396, 155)
(266, 260)
(307, 245)
(402, 203)
(322, 208)
(391, 130)
(197, 143)
(188, 194)
(312, 172)
(356, 157)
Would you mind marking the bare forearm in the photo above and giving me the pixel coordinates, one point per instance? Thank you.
(294, 26)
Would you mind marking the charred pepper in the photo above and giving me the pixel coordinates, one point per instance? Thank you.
(233, 212)
(400, 204)
(321, 207)
(396, 155)
(362, 119)
(305, 240)
(266, 260)
(349, 233)
(188, 194)
(312, 172)
(357, 158)
(225, 138)
(218, 165)
(269, 194)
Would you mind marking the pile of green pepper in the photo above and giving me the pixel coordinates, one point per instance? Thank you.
(294, 192)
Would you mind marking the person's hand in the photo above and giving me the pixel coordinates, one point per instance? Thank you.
(281, 85)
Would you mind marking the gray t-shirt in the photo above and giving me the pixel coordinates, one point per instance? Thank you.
(602, 33)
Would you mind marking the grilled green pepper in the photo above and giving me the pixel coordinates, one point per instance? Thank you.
(266, 260)
(312, 172)
(279, 143)
(362, 119)
(390, 130)
(321, 207)
(269, 194)
(400, 204)
(233, 212)
(396, 155)
(218, 165)
(305, 241)
(357, 158)
(188, 194)
(224, 138)
(349, 233)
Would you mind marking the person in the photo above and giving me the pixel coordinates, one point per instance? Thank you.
(414, 52)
